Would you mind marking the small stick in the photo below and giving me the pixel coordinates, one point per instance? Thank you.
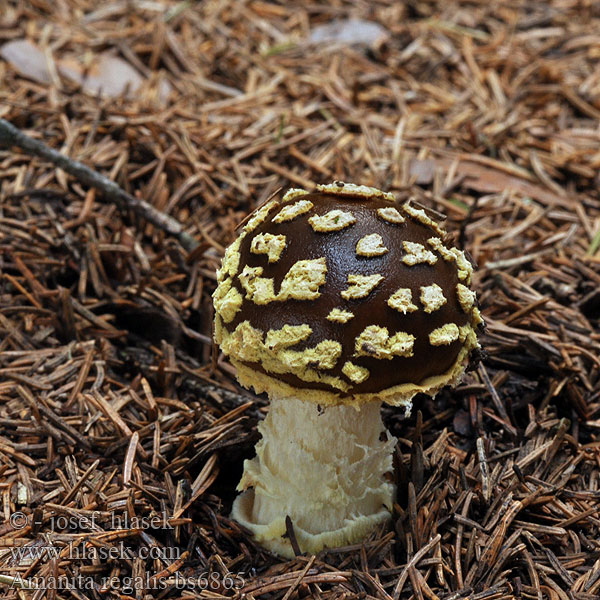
(485, 473)
(299, 579)
(11, 136)
(17, 582)
(289, 527)
(81, 481)
(413, 562)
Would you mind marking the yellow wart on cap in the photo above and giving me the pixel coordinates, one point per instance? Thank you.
(464, 331)
(288, 213)
(476, 317)
(466, 297)
(376, 342)
(421, 216)
(288, 335)
(244, 342)
(339, 315)
(371, 245)
(465, 268)
(269, 244)
(293, 193)
(445, 335)
(339, 188)
(227, 300)
(323, 356)
(360, 286)
(401, 300)
(303, 280)
(334, 220)
(260, 216)
(391, 215)
(432, 297)
(231, 261)
(438, 245)
(417, 253)
(259, 290)
(355, 373)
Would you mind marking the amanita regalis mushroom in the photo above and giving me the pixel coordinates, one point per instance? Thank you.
(333, 302)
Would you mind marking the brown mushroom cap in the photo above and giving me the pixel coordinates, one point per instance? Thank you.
(345, 296)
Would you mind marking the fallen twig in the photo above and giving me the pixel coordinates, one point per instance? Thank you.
(12, 136)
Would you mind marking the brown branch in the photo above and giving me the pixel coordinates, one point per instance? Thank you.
(11, 136)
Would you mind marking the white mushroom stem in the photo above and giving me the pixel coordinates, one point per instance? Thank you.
(324, 468)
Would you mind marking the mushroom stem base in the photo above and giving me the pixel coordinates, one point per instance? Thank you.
(324, 468)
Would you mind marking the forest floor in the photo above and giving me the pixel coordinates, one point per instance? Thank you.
(122, 430)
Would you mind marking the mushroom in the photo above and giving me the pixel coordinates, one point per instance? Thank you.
(333, 302)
